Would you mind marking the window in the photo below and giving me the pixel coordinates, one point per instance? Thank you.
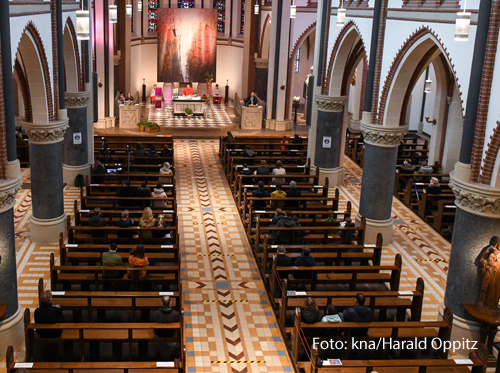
(185, 3)
(296, 62)
(132, 19)
(220, 5)
(242, 16)
(152, 15)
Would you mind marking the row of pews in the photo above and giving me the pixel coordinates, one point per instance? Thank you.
(108, 324)
(345, 265)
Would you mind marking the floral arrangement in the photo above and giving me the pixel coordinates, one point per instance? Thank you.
(204, 97)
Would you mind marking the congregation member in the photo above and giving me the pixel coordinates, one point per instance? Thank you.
(293, 192)
(129, 192)
(166, 174)
(434, 187)
(144, 192)
(125, 222)
(166, 151)
(146, 221)
(358, 313)
(249, 153)
(47, 313)
(252, 100)
(138, 258)
(279, 170)
(424, 169)
(162, 224)
(260, 192)
(246, 171)
(284, 141)
(309, 311)
(278, 193)
(99, 169)
(110, 258)
(297, 140)
(348, 224)
(304, 260)
(278, 215)
(96, 220)
(165, 315)
(152, 153)
(230, 139)
(262, 170)
(285, 236)
(407, 166)
(139, 152)
(158, 192)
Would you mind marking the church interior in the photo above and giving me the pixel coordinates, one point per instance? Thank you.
(241, 186)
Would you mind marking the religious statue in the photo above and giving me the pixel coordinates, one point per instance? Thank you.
(490, 281)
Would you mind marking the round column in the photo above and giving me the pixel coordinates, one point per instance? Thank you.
(379, 169)
(48, 218)
(76, 158)
(261, 76)
(329, 139)
(11, 326)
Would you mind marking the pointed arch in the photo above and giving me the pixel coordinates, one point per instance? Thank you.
(72, 64)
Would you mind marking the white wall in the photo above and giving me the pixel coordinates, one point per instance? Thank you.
(229, 65)
(305, 65)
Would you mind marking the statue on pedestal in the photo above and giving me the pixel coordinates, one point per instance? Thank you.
(490, 282)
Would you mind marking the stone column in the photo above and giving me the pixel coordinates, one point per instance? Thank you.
(329, 140)
(76, 155)
(379, 170)
(11, 326)
(261, 76)
(48, 218)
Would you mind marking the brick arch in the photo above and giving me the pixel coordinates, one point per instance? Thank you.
(25, 89)
(72, 32)
(491, 156)
(291, 58)
(396, 63)
(44, 66)
(348, 27)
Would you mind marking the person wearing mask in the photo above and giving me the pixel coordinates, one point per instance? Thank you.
(166, 174)
(293, 192)
(125, 222)
(434, 187)
(279, 170)
(278, 193)
(138, 258)
(47, 313)
(260, 192)
(112, 259)
(157, 193)
(144, 192)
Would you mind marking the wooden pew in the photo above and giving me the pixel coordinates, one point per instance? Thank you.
(430, 202)
(414, 190)
(175, 366)
(132, 176)
(347, 275)
(113, 202)
(95, 333)
(112, 189)
(123, 141)
(92, 275)
(396, 330)
(404, 179)
(298, 159)
(381, 300)
(478, 360)
(86, 234)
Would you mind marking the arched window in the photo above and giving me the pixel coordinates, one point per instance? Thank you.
(220, 5)
(296, 63)
(242, 16)
(152, 15)
(185, 3)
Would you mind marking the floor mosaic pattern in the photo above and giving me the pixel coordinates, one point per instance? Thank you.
(216, 117)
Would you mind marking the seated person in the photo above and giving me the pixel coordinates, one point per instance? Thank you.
(166, 172)
(293, 192)
(112, 259)
(166, 151)
(262, 170)
(147, 220)
(47, 313)
(305, 260)
(284, 141)
(434, 187)
(137, 258)
(279, 170)
(165, 315)
(157, 193)
(129, 98)
(125, 222)
(278, 193)
(331, 315)
(260, 193)
(161, 223)
(285, 236)
(139, 152)
(127, 191)
(97, 221)
(144, 192)
(358, 313)
(297, 140)
(309, 311)
(153, 154)
(423, 170)
(407, 166)
(188, 91)
(101, 170)
(249, 153)
(230, 139)
(246, 171)
(217, 94)
(252, 100)
(348, 223)
(278, 215)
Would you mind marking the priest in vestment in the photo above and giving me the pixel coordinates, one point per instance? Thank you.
(188, 91)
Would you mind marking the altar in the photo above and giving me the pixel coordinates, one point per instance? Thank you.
(194, 103)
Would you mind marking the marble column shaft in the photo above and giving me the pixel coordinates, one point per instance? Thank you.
(76, 104)
(329, 124)
(8, 274)
(261, 76)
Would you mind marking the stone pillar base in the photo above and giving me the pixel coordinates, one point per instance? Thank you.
(12, 332)
(14, 170)
(46, 231)
(354, 125)
(420, 128)
(462, 330)
(276, 125)
(105, 123)
(334, 175)
(374, 227)
(462, 172)
(70, 172)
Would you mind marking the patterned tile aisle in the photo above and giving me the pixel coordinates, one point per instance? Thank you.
(227, 313)
(217, 117)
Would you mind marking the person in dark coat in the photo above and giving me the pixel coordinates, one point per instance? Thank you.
(297, 140)
(99, 169)
(166, 151)
(309, 311)
(47, 313)
(165, 315)
(97, 221)
(305, 260)
(249, 153)
(153, 154)
(262, 170)
(127, 191)
(246, 171)
(144, 192)
(139, 152)
(293, 192)
(285, 236)
(358, 313)
(125, 222)
(260, 193)
(349, 233)
(278, 215)
(434, 187)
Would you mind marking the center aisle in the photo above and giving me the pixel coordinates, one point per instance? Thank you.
(227, 314)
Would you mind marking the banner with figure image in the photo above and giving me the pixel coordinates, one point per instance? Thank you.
(187, 44)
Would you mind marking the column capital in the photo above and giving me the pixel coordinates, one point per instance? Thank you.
(330, 104)
(382, 136)
(77, 100)
(261, 63)
(8, 191)
(475, 198)
(45, 133)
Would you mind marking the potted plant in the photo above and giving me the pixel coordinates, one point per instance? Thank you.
(188, 112)
(142, 126)
(151, 127)
(204, 97)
